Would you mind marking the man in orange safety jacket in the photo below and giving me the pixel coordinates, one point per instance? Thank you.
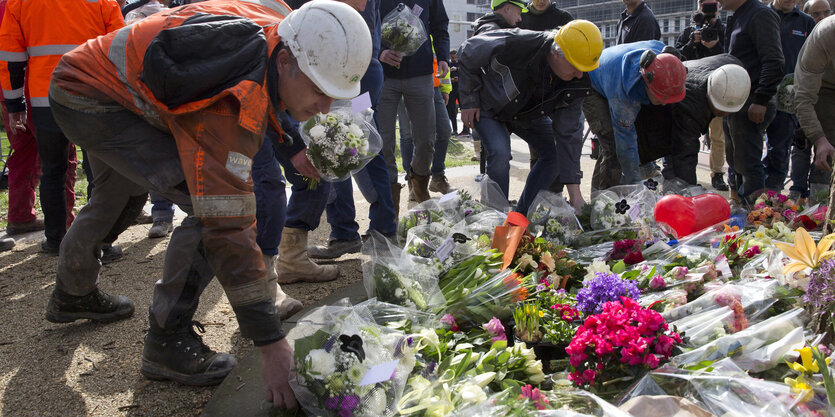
(179, 103)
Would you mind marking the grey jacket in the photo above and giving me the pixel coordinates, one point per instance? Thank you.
(814, 78)
(505, 73)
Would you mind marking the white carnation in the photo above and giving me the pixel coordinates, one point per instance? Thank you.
(317, 132)
(321, 362)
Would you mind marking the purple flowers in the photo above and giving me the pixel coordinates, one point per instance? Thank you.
(604, 287)
(821, 292)
(346, 404)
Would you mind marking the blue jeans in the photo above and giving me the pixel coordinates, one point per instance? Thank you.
(780, 136)
(495, 138)
(162, 209)
(443, 132)
(372, 182)
(270, 198)
(744, 149)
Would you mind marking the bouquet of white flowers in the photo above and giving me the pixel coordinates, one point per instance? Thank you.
(399, 278)
(553, 219)
(344, 364)
(623, 205)
(402, 30)
(341, 142)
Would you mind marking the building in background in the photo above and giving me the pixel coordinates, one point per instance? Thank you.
(673, 16)
(462, 14)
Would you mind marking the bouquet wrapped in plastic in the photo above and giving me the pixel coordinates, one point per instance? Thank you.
(620, 206)
(441, 244)
(341, 142)
(754, 297)
(553, 219)
(345, 364)
(397, 278)
(473, 296)
(429, 211)
(723, 389)
(757, 348)
(403, 31)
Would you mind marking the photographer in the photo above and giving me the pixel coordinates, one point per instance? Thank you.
(706, 36)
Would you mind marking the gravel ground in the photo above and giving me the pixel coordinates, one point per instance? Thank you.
(92, 369)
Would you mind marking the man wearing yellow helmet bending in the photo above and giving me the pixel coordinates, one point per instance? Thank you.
(515, 81)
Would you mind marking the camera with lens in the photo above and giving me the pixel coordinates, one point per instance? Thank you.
(702, 22)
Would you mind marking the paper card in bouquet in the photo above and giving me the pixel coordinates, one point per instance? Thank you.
(445, 249)
(507, 236)
(379, 373)
(361, 102)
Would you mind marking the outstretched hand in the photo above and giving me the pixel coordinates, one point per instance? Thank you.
(276, 359)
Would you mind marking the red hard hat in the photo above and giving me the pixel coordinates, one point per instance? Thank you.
(665, 75)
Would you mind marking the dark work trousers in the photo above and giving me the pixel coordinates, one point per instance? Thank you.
(58, 164)
(744, 150)
(129, 157)
(779, 139)
(607, 171)
(452, 111)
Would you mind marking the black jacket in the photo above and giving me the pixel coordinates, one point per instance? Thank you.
(753, 36)
(488, 22)
(795, 26)
(677, 127)
(550, 18)
(692, 50)
(641, 25)
(435, 21)
(505, 73)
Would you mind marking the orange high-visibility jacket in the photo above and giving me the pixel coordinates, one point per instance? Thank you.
(202, 73)
(34, 35)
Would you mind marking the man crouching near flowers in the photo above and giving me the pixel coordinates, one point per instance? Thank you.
(517, 81)
(178, 103)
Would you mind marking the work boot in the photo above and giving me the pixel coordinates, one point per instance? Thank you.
(439, 184)
(143, 218)
(718, 182)
(293, 264)
(285, 305)
(96, 306)
(19, 228)
(110, 253)
(180, 355)
(335, 248)
(396, 187)
(50, 247)
(6, 243)
(161, 228)
(420, 186)
(734, 197)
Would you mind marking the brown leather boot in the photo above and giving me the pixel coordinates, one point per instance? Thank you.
(395, 195)
(293, 263)
(420, 186)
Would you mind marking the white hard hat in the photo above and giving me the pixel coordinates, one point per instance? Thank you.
(728, 87)
(331, 43)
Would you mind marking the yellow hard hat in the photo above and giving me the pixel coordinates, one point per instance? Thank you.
(581, 44)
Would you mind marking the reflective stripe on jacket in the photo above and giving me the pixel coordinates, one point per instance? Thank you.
(34, 35)
(200, 72)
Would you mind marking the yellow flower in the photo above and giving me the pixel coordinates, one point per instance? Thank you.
(799, 386)
(541, 314)
(807, 363)
(804, 251)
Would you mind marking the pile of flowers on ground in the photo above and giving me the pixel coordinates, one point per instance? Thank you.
(610, 322)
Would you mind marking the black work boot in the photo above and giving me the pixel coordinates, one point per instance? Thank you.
(96, 306)
(718, 182)
(181, 356)
(110, 253)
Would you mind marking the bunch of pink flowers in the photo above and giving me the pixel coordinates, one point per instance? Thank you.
(623, 340)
